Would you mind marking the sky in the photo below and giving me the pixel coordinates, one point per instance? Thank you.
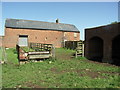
(81, 14)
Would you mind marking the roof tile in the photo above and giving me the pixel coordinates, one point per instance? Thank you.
(29, 24)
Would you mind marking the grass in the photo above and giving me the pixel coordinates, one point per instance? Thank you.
(64, 72)
(12, 56)
(0, 53)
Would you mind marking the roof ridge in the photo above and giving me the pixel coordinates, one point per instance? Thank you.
(101, 26)
(14, 23)
(39, 21)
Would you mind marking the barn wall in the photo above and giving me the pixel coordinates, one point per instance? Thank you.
(38, 36)
(105, 33)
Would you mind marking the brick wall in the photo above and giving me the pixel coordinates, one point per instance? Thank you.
(38, 36)
(105, 36)
(1, 39)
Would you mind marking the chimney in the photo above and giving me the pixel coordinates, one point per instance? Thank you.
(57, 20)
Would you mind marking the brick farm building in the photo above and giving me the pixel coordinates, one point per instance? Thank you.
(18, 31)
(103, 43)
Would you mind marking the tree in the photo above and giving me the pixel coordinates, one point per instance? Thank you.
(114, 22)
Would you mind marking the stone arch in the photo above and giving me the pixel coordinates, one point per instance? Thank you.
(116, 50)
(95, 49)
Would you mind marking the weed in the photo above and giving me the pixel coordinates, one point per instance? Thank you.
(61, 72)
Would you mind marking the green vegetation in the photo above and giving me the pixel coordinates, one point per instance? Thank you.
(63, 72)
(26, 49)
(114, 22)
(11, 56)
(0, 53)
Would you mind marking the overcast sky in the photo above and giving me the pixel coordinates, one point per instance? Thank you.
(81, 14)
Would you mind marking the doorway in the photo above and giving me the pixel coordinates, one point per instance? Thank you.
(95, 49)
(23, 40)
(116, 50)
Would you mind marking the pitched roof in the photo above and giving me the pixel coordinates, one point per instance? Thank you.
(30, 24)
(104, 26)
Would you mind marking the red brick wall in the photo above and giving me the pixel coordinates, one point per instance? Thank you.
(1, 39)
(107, 34)
(37, 36)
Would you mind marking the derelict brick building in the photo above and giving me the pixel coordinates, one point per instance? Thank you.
(103, 43)
(18, 31)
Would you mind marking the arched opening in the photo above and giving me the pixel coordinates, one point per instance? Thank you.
(96, 49)
(116, 50)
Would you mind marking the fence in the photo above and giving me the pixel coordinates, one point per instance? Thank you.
(76, 45)
(35, 51)
(40, 46)
(80, 49)
(71, 44)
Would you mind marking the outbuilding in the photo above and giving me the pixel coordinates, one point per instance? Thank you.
(19, 31)
(103, 43)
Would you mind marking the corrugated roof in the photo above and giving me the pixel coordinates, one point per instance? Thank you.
(30, 24)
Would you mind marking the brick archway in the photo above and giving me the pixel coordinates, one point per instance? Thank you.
(116, 50)
(95, 49)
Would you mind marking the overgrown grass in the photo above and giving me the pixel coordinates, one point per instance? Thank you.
(64, 72)
(0, 53)
(12, 56)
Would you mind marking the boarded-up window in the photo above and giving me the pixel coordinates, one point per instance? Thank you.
(23, 40)
(64, 34)
(75, 34)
